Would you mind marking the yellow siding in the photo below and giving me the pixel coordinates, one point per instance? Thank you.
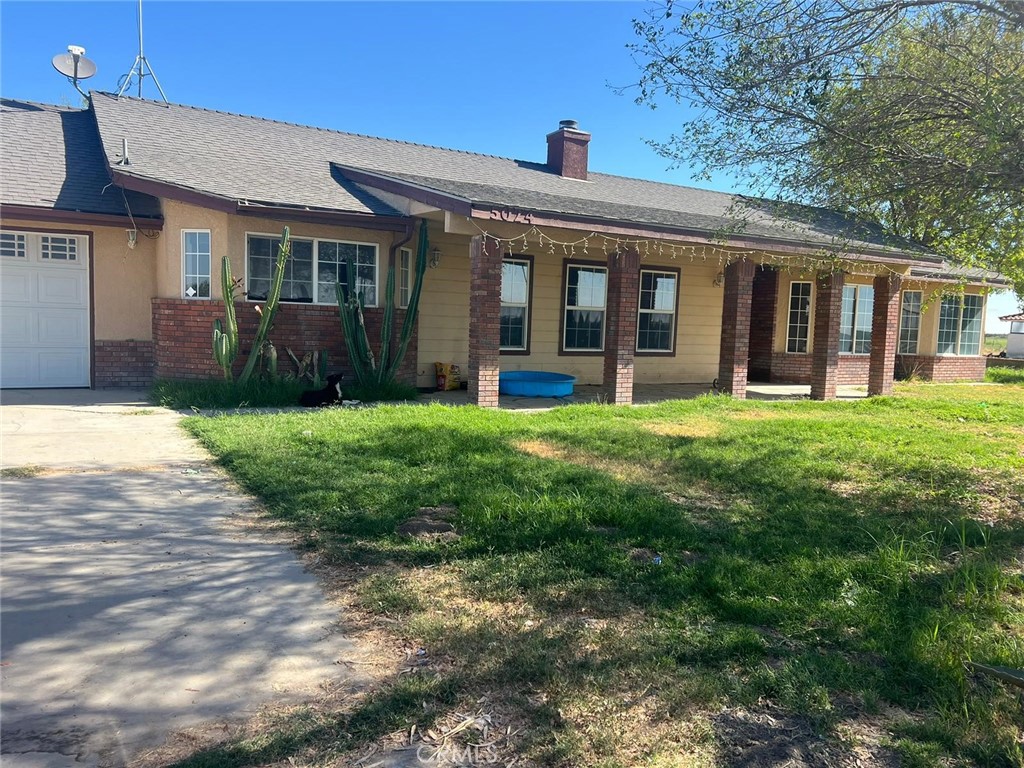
(444, 318)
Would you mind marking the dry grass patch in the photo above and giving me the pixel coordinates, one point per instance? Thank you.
(691, 428)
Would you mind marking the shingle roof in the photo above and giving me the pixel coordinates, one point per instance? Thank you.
(51, 158)
(259, 160)
(1018, 318)
(959, 274)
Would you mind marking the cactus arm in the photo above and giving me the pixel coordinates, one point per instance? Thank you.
(270, 308)
(385, 328)
(409, 321)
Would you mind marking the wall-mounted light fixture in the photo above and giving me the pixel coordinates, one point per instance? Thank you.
(719, 280)
(435, 257)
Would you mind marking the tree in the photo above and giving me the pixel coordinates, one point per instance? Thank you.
(908, 113)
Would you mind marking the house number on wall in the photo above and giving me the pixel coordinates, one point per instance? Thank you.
(511, 215)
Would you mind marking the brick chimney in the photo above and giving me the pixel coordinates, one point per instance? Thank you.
(567, 150)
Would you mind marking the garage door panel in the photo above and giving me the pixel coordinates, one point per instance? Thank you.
(67, 289)
(63, 368)
(16, 370)
(17, 286)
(17, 327)
(61, 328)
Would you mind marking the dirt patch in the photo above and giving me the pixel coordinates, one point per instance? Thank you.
(766, 738)
(694, 428)
(431, 524)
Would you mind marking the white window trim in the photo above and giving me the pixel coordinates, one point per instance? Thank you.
(960, 326)
(183, 267)
(525, 305)
(603, 310)
(857, 306)
(789, 311)
(316, 268)
(640, 311)
(404, 264)
(899, 333)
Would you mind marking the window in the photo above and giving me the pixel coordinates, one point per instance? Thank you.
(332, 268)
(56, 248)
(585, 297)
(404, 276)
(655, 328)
(1017, 327)
(960, 325)
(799, 317)
(855, 323)
(910, 322)
(515, 305)
(195, 260)
(303, 271)
(12, 245)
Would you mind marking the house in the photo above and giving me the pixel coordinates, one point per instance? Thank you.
(115, 218)
(1015, 338)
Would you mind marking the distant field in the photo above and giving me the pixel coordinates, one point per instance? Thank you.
(994, 343)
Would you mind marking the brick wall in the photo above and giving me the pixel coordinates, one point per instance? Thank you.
(885, 320)
(828, 304)
(734, 346)
(183, 333)
(484, 320)
(941, 368)
(123, 363)
(620, 335)
(762, 323)
(851, 370)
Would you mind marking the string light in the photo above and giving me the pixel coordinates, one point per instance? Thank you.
(801, 264)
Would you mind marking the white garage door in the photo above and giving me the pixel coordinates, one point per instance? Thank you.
(44, 310)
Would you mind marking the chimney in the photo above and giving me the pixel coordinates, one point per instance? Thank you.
(567, 150)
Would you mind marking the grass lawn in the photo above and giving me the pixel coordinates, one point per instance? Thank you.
(706, 582)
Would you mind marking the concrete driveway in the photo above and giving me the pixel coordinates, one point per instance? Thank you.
(134, 600)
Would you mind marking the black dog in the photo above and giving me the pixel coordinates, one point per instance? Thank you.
(318, 398)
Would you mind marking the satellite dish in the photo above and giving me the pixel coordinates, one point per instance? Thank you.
(74, 66)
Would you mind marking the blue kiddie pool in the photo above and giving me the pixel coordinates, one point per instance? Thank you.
(535, 384)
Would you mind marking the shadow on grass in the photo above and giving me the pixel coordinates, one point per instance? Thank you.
(776, 581)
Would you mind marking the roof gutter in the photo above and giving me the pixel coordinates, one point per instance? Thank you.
(8, 211)
(223, 204)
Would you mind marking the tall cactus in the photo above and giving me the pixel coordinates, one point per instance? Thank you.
(370, 369)
(225, 336)
(284, 249)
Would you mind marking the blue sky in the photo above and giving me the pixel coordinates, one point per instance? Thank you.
(485, 77)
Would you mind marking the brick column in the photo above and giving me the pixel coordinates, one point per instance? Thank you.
(620, 326)
(885, 323)
(734, 349)
(828, 307)
(484, 317)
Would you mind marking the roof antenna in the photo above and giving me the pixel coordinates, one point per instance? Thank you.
(139, 67)
(74, 66)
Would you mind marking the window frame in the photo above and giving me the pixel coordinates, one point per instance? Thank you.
(810, 319)
(563, 307)
(184, 265)
(855, 326)
(315, 277)
(528, 260)
(677, 274)
(917, 329)
(959, 298)
(1016, 327)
